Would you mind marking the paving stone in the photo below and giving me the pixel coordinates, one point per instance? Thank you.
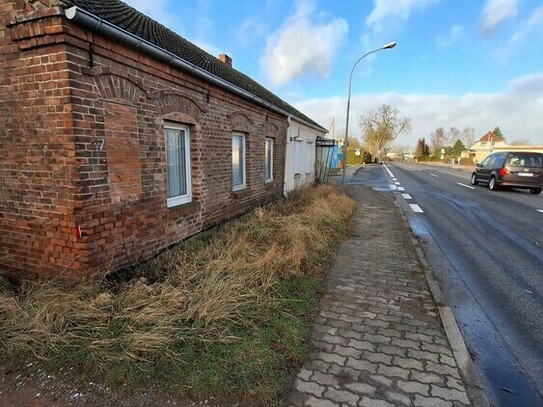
(407, 363)
(385, 381)
(314, 402)
(362, 365)
(309, 387)
(332, 358)
(305, 374)
(377, 357)
(422, 355)
(421, 401)
(317, 365)
(341, 396)
(442, 369)
(334, 339)
(377, 339)
(447, 360)
(393, 371)
(449, 394)
(406, 343)
(398, 398)
(347, 351)
(413, 387)
(325, 379)
(426, 377)
(363, 388)
(442, 350)
(363, 345)
(392, 350)
(454, 384)
(369, 402)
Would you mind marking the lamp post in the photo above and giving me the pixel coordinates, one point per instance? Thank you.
(386, 46)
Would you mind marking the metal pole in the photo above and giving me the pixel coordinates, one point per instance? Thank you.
(387, 46)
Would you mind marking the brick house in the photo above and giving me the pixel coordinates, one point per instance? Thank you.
(119, 138)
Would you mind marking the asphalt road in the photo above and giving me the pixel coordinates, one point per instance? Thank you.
(486, 248)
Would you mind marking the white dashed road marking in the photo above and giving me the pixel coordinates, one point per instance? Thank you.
(401, 189)
(434, 175)
(416, 208)
(540, 210)
(406, 196)
(466, 186)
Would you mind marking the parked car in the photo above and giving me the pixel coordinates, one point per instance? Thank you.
(510, 169)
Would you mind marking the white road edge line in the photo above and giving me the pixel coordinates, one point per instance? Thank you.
(466, 186)
(406, 196)
(416, 208)
(389, 172)
(540, 210)
(434, 175)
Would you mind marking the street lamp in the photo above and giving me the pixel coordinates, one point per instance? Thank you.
(386, 46)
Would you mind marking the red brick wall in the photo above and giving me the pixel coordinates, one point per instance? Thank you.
(83, 149)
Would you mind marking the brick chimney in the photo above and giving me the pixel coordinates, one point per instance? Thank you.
(225, 59)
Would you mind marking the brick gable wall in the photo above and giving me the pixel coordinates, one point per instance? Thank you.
(83, 173)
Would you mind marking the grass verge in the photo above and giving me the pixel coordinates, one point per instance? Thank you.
(225, 317)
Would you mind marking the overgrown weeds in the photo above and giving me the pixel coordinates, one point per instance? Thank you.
(226, 316)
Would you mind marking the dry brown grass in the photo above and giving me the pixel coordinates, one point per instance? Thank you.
(204, 291)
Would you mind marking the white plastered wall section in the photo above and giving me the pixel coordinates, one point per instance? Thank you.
(300, 168)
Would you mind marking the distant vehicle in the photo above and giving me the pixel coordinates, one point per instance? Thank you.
(510, 169)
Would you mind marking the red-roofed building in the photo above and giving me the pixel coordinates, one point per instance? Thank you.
(484, 146)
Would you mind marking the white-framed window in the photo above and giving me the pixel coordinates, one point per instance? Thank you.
(268, 157)
(309, 157)
(238, 161)
(297, 157)
(178, 175)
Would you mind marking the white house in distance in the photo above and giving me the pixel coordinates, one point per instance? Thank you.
(300, 169)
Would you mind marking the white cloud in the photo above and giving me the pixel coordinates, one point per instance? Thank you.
(303, 46)
(455, 34)
(515, 111)
(250, 29)
(385, 9)
(529, 26)
(495, 12)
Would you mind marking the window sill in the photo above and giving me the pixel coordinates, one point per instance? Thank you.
(185, 208)
(240, 193)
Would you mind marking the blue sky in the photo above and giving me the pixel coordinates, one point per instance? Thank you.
(457, 63)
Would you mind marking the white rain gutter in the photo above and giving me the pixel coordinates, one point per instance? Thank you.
(101, 26)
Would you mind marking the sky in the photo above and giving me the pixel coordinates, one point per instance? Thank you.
(457, 63)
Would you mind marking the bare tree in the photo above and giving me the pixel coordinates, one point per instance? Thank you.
(452, 137)
(437, 141)
(521, 142)
(468, 136)
(400, 152)
(381, 127)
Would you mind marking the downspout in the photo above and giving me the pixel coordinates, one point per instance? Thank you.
(101, 26)
(287, 142)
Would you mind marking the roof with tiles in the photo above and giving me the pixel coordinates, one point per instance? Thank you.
(129, 19)
(490, 136)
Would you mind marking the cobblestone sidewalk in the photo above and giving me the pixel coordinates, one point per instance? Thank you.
(378, 340)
